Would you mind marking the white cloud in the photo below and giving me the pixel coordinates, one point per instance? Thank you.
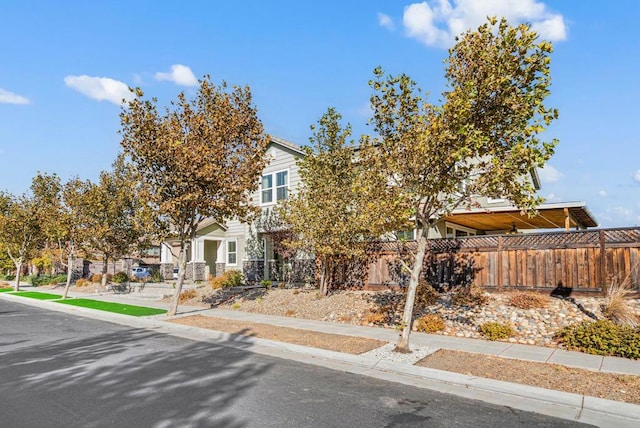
(385, 21)
(551, 197)
(7, 97)
(602, 193)
(100, 88)
(620, 211)
(549, 174)
(438, 22)
(180, 75)
(636, 176)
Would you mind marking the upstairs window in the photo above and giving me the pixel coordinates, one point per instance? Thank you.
(267, 189)
(282, 180)
(271, 193)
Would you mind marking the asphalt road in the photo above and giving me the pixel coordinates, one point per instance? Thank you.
(59, 370)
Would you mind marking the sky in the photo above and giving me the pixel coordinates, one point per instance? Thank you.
(67, 65)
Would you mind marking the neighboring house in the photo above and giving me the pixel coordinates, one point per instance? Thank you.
(237, 245)
(498, 216)
(220, 247)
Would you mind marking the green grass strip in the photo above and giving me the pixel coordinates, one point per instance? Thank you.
(4, 290)
(119, 308)
(37, 295)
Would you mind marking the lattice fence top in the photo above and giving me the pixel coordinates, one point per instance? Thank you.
(586, 238)
(578, 238)
(551, 240)
(615, 236)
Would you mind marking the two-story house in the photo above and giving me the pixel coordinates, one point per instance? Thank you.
(219, 247)
(237, 245)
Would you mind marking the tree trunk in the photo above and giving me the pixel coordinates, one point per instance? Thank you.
(182, 266)
(69, 275)
(18, 263)
(105, 260)
(325, 278)
(416, 271)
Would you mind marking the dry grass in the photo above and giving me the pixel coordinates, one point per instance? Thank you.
(332, 342)
(528, 300)
(611, 386)
(429, 323)
(187, 295)
(373, 317)
(82, 282)
(616, 306)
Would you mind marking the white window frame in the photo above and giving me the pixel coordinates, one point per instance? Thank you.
(458, 228)
(228, 253)
(274, 186)
(405, 231)
(491, 200)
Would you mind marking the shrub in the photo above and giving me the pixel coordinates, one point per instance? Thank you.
(282, 285)
(82, 282)
(469, 296)
(373, 317)
(155, 276)
(120, 277)
(528, 300)
(265, 283)
(429, 323)
(289, 313)
(235, 306)
(187, 295)
(97, 278)
(615, 306)
(230, 278)
(426, 295)
(37, 280)
(601, 337)
(495, 331)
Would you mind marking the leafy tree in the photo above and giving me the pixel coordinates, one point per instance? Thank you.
(75, 222)
(326, 213)
(62, 219)
(19, 229)
(46, 191)
(111, 212)
(482, 140)
(201, 159)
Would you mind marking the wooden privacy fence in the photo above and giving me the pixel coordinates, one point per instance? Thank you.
(586, 260)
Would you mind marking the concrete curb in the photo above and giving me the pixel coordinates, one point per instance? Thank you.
(586, 409)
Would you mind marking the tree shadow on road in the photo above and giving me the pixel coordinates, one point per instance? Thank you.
(127, 378)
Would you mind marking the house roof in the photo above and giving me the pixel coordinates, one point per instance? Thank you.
(287, 144)
(208, 222)
(550, 216)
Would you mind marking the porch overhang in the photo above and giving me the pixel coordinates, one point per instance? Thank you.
(565, 215)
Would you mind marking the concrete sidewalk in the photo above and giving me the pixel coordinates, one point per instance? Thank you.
(586, 409)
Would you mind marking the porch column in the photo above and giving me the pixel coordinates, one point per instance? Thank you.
(198, 250)
(165, 253)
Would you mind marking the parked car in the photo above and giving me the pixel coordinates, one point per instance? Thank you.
(140, 272)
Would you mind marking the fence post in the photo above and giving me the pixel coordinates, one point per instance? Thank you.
(500, 267)
(603, 262)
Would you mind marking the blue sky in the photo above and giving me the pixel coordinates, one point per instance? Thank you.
(65, 65)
